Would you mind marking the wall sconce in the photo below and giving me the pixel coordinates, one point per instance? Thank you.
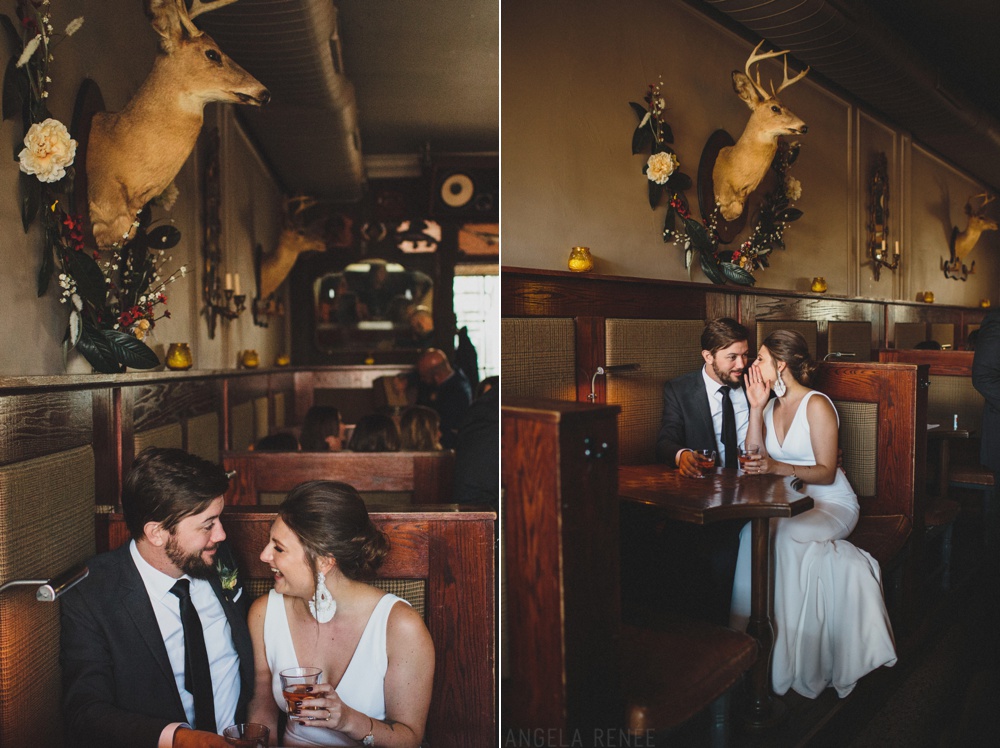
(608, 370)
(839, 355)
(878, 220)
(264, 308)
(50, 589)
(226, 302)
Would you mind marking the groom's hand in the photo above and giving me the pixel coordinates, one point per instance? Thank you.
(688, 465)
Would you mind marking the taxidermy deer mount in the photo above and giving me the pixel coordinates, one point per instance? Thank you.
(963, 242)
(741, 167)
(133, 155)
(296, 237)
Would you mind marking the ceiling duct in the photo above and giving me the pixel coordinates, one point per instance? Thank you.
(309, 131)
(849, 45)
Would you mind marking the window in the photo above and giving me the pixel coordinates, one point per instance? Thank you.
(477, 307)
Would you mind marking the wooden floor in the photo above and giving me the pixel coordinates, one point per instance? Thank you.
(944, 691)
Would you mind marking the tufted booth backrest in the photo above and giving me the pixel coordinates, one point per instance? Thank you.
(538, 357)
(663, 349)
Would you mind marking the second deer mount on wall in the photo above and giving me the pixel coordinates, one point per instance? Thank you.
(963, 242)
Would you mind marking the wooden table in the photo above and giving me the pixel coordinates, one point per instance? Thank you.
(725, 494)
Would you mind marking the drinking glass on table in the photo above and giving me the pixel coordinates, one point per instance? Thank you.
(297, 683)
(748, 453)
(705, 458)
(247, 735)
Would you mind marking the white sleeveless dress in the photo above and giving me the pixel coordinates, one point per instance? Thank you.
(362, 686)
(830, 622)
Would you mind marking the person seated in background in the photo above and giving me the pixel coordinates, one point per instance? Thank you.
(282, 442)
(322, 430)
(477, 465)
(927, 345)
(420, 429)
(446, 390)
(375, 652)
(375, 433)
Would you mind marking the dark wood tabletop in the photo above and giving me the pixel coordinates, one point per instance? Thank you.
(724, 493)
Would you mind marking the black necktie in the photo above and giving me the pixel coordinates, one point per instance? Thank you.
(728, 428)
(197, 673)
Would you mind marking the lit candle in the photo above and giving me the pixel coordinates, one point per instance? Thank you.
(236, 286)
(897, 248)
(883, 245)
(229, 281)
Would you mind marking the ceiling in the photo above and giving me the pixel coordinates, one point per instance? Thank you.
(926, 66)
(365, 88)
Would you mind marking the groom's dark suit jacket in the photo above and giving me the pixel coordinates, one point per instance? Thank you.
(119, 688)
(687, 419)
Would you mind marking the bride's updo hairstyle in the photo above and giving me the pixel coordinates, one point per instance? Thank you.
(791, 348)
(330, 519)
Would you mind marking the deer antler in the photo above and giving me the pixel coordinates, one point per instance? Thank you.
(753, 59)
(755, 78)
(186, 16)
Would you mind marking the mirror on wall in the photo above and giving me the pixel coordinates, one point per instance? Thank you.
(373, 305)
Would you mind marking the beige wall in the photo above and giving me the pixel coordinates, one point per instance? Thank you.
(116, 48)
(570, 69)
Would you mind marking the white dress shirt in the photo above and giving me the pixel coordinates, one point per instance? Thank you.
(740, 407)
(222, 657)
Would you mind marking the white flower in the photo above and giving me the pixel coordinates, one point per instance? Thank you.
(48, 151)
(793, 188)
(660, 166)
(29, 50)
(73, 26)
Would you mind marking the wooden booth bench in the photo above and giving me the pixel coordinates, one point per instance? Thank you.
(442, 560)
(69, 441)
(380, 477)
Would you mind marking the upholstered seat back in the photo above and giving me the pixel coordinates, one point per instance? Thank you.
(47, 523)
(663, 349)
(538, 357)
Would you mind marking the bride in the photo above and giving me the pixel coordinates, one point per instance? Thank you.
(831, 625)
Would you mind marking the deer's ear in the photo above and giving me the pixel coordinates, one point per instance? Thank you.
(745, 89)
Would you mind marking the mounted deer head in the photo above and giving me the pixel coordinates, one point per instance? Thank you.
(740, 168)
(963, 241)
(133, 155)
(296, 238)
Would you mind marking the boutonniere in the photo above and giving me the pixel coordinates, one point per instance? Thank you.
(229, 578)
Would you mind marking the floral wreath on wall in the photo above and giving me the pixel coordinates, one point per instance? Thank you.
(114, 299)
(662, 170)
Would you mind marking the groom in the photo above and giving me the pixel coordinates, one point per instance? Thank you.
(704, 409)
(155, 640)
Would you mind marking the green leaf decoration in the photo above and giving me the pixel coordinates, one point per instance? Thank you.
(130, 351)
(642, 140)
(75, 327)
(97, 350)
(31, 198)
(90, 283)
(670, 222)
(698, 235)
(655, 193)
(639, 110)
(13, 35)
(710, 267)
(793, 153)
(679, 182)
(737, 274)
(791, 214)
(164, 237)
(666, 133)
(688, 255)
(45, 271)
(12, 95)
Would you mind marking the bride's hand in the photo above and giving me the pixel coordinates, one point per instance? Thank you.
(757, 389)
(323, 708)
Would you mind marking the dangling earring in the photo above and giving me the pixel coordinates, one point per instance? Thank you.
(322, 606)
(779, 386)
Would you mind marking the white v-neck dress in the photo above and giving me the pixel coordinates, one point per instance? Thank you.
(363, 684)
(830, 622)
